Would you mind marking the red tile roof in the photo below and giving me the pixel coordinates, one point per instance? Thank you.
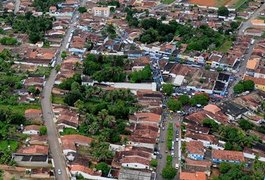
(195, 147)
(81, 168)
(228, 155)
(192, 176)
(36, 149)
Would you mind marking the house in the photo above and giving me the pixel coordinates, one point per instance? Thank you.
(37, 140)
(195, 150)
(143, 135)
(219, 156)
(134, 54)
(145, 118)
(135, 158)
(207, 139)
(233, 110)
(259, 82)
(101, 11)
(67, 119)
(37, 82)
(33, 115)
(134, 174)
(86, 172)
(32, 156)
(192, 176)
(31, 130)
(202, 166)
(69, 143)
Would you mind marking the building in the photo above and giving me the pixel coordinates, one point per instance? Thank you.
(31, 130)
(232, 110)
(259, 82)
(219, 156)
(145, 118)
(86, 172)
(192, 176)
(101, 11)
(195, 150)
(32, 156)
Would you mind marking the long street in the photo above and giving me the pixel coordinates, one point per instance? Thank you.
(53, 136)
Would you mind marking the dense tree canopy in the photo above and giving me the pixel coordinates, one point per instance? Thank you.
(223, 11)
(105, 68)
(43, 6)
(247, 85)
(34, 27)
(142, 75)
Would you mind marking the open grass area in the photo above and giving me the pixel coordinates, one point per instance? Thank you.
(261, 18)
(20, 108)
(226, 46)
(167, 1)
(240, 4)
(68, 131)
(4, 145)
(57, 100)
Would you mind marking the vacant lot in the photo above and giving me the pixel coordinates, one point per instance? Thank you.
(216, 3)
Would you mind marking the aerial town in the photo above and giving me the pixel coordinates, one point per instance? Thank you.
(132, 89)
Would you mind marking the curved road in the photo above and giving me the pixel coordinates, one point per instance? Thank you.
(53, 136)
(247, 24)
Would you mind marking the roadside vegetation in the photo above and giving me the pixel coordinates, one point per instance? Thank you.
(169, 172)
(170, 136)
(242, 86)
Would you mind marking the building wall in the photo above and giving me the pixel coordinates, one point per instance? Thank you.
(88, 176)
(31, 132)
(195, 156)
(260, 87)
(135, 165)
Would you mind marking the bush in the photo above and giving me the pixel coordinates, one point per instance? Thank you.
(154, 163)
(169, 172)
(43, 130)
(103, 167)
(8, 41)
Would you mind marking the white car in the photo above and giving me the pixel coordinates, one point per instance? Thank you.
(59, 171)
(172, 153)
(177, 166)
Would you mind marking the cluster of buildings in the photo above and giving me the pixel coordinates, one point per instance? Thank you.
(205, 150)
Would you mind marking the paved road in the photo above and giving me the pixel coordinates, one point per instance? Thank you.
(247, 23)
(168, 118)
(242, 68)
(17, 4)
(162, 146)
(53, 136)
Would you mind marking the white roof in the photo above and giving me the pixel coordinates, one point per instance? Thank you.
(178, 80)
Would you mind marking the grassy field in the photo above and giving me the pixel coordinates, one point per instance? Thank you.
(226, 46)
(240, 3)
(20, 108)
(167, 1)
(57, 100)
(67, 131)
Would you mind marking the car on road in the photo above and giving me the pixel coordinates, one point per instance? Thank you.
(172, 153)
(177, 166)
(59, 171)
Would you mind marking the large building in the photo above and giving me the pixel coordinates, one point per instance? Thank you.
(101, 11)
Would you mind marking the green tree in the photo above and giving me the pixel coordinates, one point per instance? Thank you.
(63, 55)
(249, 85)
(104, 168)
(169, 172)
(238, 88)
(184, 99)
(200, 99)
(174, 105)
(167, 89)
(210, 123)
(245, 124)
(43, 130)
(82, 9)
(223, 11)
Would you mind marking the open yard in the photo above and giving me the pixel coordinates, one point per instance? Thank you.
(218, 3)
